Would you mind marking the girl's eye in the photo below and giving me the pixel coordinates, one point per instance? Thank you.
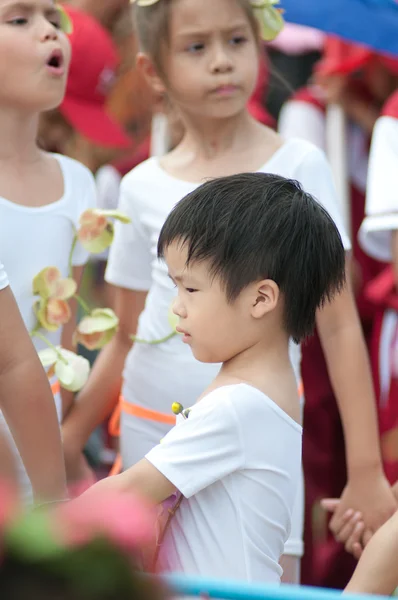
(18, 21)
(194, 48)
(237, 40)
(191, 290)
(56, 24)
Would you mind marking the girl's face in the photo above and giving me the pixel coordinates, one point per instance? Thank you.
(34, 55)
(211, 61)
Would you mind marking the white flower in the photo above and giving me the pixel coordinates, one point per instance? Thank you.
(71, 370)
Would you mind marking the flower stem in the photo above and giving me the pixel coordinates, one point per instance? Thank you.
(70, 260)
(153, 342)
(40, 336)
(83, 304)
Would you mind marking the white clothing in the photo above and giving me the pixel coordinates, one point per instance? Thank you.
(157, 376)
(107, 180)
(305, 120)
(3, 278)
(33, 238)
(237, 462)
(382, 194)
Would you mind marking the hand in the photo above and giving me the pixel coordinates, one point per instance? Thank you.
(334, 88)
(352, 532)
(77, 468)
(370, 494)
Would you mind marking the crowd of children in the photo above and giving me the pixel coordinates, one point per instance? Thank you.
(228, 251)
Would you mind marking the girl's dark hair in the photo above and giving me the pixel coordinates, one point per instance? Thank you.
(152, 26)
(257, 226)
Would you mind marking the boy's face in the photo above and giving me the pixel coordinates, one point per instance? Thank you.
(216, 330)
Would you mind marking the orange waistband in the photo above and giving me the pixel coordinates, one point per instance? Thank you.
(140, 413)
(56, 388)
(301, 389)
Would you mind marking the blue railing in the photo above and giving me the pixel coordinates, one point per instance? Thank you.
(231, 590)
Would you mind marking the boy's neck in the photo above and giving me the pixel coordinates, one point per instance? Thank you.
(265, 366)
(18, 139)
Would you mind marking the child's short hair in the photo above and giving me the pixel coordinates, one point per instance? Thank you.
(152, 26)
(256, 226)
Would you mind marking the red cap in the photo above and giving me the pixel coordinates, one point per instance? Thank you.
(91, 77)
(341, 57)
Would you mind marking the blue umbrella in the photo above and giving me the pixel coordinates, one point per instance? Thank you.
(370, 22)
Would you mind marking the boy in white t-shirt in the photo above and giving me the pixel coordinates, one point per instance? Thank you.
(253, 256)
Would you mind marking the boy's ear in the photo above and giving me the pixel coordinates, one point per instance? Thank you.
(265, 298)
(148, 69)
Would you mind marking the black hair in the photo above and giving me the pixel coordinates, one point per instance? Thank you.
(256, 226)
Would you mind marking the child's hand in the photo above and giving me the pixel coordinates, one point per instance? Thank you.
(77, 467)
(334, 88)
(350, 528)
(371, 495)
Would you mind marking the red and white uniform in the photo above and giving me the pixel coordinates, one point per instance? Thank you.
(376, 236)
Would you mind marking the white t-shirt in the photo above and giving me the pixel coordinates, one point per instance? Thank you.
(382, 194)
(3, 278)
(157, 376)
(33, 238)
(237, 462)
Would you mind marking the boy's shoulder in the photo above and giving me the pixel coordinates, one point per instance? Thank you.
(246, 402)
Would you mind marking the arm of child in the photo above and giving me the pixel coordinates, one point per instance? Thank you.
(100, 395)
(377, 571)
(181, 462)
(367, 490)
(143, 479)
(28, 405)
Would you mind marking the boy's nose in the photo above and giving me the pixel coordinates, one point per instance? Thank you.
(178, 308)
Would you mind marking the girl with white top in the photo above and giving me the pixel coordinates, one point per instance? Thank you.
(41, 195)
(205, 56)
(25, 398)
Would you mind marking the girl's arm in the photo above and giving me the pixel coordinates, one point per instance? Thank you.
(342, 340)
(99, 396)
(67, 339)
(377, 571)
(28, 405)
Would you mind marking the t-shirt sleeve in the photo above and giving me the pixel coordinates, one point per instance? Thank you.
(3, 278)
(315, 175)
(202, 449)
(87, 191)
(130, 261)
(382, 191)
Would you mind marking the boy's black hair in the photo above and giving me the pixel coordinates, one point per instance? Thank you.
(256, 226)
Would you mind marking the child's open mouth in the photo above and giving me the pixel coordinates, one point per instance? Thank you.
(55, 63)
